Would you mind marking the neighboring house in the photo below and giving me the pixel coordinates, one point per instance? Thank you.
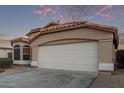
(5, 49)
(121, 42)
(120, 52)
(78, 46)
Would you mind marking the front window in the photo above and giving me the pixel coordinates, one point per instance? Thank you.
(26, 52)
(16, 52)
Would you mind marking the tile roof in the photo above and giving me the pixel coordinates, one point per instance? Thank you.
(33, 31)
(57, 27)
(38, 29)
(74, 25)
(20, 39)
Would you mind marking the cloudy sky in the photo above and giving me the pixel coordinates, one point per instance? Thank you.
(18, 20)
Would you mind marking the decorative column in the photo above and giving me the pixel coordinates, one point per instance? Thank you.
(34, 56)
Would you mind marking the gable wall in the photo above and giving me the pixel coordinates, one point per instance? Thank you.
(104, 39)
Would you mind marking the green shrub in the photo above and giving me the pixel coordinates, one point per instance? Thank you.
(5, 62)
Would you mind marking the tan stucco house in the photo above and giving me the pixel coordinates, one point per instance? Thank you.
(5, 48)
(78, 46)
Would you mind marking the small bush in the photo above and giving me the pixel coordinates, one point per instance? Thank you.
(5, 63)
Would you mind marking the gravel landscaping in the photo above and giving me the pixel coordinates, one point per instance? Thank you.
(106, 80)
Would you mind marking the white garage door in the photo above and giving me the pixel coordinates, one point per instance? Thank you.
(76, 56)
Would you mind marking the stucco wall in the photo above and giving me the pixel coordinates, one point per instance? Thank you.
(104, 39)
(65, 41)
(105, 49)
(84, 33)
(4, 53)
(5, 43)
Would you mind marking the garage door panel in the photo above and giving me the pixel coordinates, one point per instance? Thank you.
(76, 56)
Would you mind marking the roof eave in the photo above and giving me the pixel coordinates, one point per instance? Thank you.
(73, 27)
(6, 48)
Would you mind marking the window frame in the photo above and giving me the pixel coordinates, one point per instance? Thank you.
(27, 53)
(16, 50)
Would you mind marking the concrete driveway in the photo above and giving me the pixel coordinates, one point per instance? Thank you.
(47, 78)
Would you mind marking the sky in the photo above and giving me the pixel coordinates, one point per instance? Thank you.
(18, 20)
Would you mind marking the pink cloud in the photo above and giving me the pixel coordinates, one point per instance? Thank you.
(43, 11)
(102, 12)
(106, 7)
(76, 12)
(106, 15)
